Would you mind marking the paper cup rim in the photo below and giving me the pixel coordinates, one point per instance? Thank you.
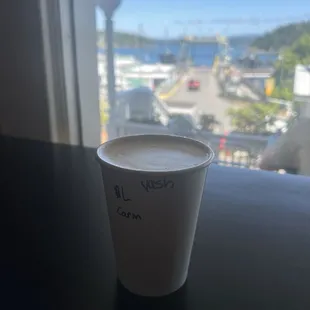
(205, 163)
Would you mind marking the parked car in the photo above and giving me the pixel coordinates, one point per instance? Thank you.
(193, 84)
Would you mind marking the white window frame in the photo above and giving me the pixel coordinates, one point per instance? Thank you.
(70, 53)
(87, 66)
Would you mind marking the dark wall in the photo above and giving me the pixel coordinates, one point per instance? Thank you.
(23, 95)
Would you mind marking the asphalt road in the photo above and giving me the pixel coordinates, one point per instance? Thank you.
(207, 98)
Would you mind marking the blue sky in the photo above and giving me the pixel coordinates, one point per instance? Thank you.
(152, 17)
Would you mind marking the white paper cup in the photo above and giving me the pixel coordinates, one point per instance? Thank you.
(153, 216)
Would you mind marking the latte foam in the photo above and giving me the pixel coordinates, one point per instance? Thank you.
(154, 153)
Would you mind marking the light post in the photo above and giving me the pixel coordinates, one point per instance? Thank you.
(109, 7)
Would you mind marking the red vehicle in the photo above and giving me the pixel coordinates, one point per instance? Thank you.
(193, 84)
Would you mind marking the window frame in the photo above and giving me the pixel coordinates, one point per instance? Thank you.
(70, 58)
(85, 33)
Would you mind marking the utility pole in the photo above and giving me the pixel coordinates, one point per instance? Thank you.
(281, 69)
(141, 34)
(166, 31)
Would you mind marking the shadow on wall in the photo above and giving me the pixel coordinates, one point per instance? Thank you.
(24, 106)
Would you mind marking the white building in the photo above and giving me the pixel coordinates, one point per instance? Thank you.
(149, 75)
(130, 73)
(121, 64)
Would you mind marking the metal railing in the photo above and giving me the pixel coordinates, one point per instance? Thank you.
(236, 157)
(234, 150)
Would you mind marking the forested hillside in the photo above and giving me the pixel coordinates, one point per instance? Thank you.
(281, 37)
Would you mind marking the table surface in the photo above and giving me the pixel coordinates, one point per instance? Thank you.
(251, 251)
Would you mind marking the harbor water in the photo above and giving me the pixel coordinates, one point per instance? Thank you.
(201, 54)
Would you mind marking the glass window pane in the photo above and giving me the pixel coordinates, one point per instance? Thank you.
(239, 83)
